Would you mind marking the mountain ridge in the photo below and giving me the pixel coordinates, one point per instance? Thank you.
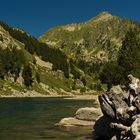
(65, 59)
(101, 29)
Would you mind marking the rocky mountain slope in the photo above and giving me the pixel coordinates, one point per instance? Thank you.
(65, 60)
(27, 67)
(98, 39)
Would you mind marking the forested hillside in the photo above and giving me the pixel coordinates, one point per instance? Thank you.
(100, 47)
(76, 58)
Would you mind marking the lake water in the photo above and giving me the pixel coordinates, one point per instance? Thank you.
(34, 119)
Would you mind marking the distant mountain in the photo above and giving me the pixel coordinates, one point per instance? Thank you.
(66, 59)
(97, 39)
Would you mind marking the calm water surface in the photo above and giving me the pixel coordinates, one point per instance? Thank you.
(34, 119)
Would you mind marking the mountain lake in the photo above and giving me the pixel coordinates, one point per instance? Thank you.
(35, 119)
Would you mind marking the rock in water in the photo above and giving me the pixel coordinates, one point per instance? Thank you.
(87, 113)
(113, 106)
(121, 115)
(106, 107)
(84, 117)
(73, 122)
(102, 128)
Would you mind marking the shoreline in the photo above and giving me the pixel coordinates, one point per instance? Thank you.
(82, 97)
(67, 97)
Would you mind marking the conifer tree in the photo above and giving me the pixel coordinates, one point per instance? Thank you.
(27, 75)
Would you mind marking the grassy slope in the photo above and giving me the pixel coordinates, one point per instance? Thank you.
(7, 86)
(96, 31)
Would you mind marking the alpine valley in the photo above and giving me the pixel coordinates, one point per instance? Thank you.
(72, 59)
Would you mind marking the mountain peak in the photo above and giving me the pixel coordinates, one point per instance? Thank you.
(104, 16)
(105, 13)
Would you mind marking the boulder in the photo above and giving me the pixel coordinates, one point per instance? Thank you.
(117, 89)
(121, 114)
(84, 117)
(73, 122)
(113, 106)
(102, 128)
(137, 138)
(135, 127)
(88, 113)
(105, 106)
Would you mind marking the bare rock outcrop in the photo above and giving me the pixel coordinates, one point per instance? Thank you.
(73, 122)
(84, 117)
(121, 119)
(87, 113)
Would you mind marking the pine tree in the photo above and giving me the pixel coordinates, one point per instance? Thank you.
(27, 75)
(129, 56)
(111, 74)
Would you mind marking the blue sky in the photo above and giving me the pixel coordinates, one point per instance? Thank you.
(37, 16)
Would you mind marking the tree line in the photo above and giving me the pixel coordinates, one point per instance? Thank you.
(128, 61)
(34, 47)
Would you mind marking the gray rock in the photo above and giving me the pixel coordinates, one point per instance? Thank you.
(113, 106)
(73, 122)
(134, 89)
(106, 107)
(102, 128)
(114, 138)
(137, 103)
(117, 89)
(135, 127)
(84, 117)
(121, 118)
(137, 138)
(88, 113)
